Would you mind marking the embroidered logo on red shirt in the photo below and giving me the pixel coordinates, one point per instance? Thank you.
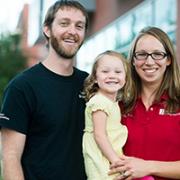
(161, 111)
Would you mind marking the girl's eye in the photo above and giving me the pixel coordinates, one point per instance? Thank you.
(104, 71)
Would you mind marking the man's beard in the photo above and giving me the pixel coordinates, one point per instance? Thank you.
(61, 51)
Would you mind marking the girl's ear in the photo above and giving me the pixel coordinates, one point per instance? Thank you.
(46, 31)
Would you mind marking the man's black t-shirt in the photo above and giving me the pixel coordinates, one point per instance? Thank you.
(48, 108)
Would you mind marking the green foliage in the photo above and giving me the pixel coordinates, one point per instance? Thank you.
(12, 60)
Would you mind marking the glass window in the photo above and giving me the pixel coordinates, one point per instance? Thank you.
(119, 34)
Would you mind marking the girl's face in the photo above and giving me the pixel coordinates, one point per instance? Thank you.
(150, 70)
(110, 75)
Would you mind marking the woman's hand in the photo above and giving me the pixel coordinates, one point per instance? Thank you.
(130, 168)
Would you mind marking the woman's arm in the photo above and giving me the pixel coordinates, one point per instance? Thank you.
(166, 169)
(136, 168)
(12, 149)
(101, 137)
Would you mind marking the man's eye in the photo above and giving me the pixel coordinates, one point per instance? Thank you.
(81, 27)
(63, 23)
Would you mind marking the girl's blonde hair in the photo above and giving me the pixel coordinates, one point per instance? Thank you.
(124, 94)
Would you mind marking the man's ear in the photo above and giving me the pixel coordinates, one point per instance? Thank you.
(46, 31)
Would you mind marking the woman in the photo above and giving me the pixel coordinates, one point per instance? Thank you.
(153, 119)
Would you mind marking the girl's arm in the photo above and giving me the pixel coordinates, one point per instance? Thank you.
(101, 137)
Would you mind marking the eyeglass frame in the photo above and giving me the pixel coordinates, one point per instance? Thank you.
(150, 54)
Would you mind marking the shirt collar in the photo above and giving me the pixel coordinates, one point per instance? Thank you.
(164, 97)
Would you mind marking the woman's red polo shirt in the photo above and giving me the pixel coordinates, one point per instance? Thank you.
(153, 135)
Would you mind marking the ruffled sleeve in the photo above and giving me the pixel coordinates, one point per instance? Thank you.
(99, 102)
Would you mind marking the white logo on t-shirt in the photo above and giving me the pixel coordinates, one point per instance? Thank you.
(2, 116)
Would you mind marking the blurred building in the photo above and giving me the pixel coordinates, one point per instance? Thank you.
(113, 25)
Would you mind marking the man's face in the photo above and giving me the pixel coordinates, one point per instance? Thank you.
(67, 32)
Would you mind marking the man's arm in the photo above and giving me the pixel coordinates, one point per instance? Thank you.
(12, 149)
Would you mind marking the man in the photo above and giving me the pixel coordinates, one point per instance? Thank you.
(42, 113)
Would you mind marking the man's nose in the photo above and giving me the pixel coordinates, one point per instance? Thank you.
(72, 29)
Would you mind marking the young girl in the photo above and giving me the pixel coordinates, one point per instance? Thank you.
(104, 135)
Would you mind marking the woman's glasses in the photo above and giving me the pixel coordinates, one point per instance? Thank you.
(154, 55)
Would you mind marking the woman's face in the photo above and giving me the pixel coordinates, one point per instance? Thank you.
(150, 68)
